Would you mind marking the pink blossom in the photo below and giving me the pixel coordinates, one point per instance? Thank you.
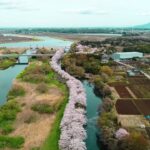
(121, 133)
(73, 133)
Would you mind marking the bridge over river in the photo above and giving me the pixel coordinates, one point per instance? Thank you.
(24, 58)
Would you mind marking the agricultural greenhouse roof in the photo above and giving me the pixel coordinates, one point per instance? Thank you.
(126, 55)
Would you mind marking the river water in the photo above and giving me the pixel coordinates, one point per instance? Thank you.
(7, 76)
(43, 41)
(93, 103)
(6, 79)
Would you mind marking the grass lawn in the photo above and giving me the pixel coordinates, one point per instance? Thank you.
(11, 142)
(8, 113)
(6, 63)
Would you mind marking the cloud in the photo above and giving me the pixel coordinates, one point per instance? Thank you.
(143, 13)
(86, 12)
(9, 3)
(19, 5)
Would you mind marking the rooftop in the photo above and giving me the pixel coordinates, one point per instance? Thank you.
(128, 53)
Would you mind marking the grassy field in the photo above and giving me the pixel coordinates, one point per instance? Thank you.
(8, 114)
(6, 63)
(34, 74)
(31, 107)
(52, 140)
(11, 142)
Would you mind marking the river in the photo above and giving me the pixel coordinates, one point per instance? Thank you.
(7, 76)
(93, 103)
(43, 41)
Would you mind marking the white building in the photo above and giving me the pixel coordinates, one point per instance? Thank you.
(105, 58)
(126, 55)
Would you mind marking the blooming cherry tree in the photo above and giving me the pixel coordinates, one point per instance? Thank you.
(121, 133)
(73, 133)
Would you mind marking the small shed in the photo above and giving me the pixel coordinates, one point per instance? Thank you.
(130, 73)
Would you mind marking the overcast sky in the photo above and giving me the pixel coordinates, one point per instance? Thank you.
(73, 13)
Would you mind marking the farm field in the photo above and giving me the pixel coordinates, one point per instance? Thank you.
(144, 106)
(141, 91)
(134, 96)
(133, 106)
(139, 86)
(122, 91)
(126, 107)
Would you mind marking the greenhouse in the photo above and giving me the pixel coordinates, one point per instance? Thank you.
(126, 55)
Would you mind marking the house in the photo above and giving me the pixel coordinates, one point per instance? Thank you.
(126, 55)
(130, 73)
(105, 58)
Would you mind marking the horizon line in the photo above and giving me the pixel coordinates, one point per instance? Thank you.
(61, 27)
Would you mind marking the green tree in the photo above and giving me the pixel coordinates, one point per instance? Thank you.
(135, 141)
(76, 71)
(107, 70)
(73, 47)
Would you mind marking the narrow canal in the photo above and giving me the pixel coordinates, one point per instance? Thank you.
(6, 79)
(8, 75)
(93, 103)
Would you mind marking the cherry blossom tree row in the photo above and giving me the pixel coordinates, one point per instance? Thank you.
(73, 133)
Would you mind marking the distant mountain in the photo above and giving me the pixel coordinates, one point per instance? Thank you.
(144, 26)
